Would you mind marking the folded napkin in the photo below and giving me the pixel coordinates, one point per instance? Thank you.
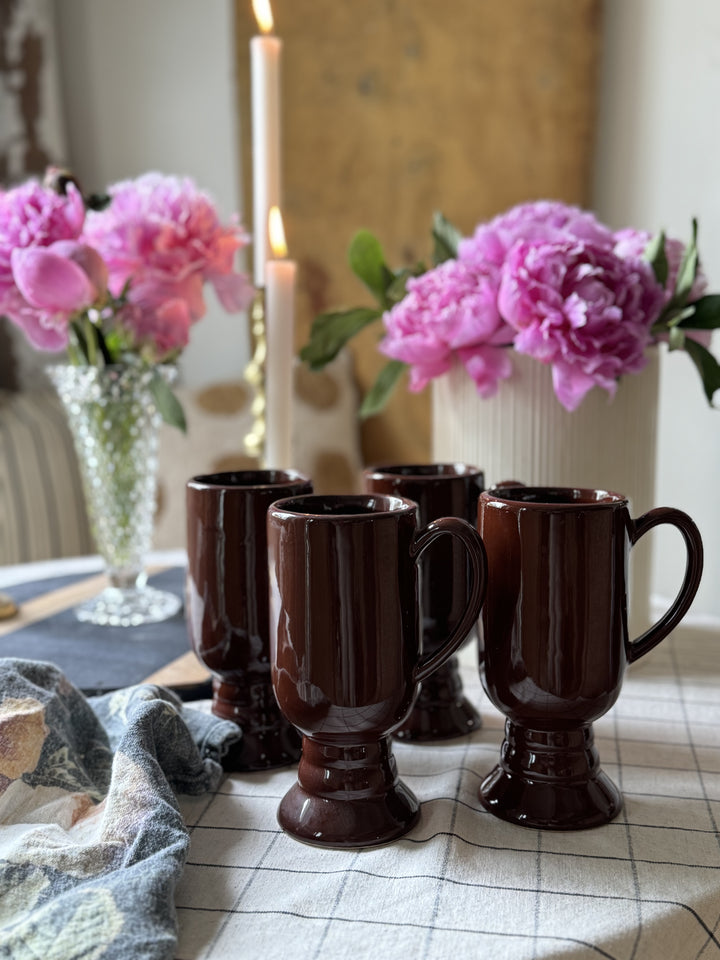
(91, 839)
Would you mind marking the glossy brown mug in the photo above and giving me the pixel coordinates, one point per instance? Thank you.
(346, 654)
(555, 644)
(227, 606)
(441, 711)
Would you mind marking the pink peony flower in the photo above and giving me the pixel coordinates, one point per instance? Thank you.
(44, 276)
(60, 279)
(164, 325)
(163, 235)
(543, 220)
(583, 309)
(450, 311)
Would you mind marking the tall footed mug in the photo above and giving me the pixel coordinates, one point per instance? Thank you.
(554, 636)
(441, 711)
(347, 656)
(227, 606)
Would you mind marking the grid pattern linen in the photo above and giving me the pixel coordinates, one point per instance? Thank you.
(644, 887)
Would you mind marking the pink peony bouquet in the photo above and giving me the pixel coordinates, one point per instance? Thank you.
(543, 279)
(115, 279)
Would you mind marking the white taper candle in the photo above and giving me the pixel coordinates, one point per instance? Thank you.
(280, 279)
(265, 54)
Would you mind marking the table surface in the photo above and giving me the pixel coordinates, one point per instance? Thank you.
(465, 883)
(47, 629)
(462, 881)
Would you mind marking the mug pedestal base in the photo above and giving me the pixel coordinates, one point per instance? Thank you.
(268, 740)
(550, 779)
(441, 711)
(348, 796)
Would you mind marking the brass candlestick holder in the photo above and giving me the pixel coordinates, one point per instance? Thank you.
(255, 375)
(8, 607)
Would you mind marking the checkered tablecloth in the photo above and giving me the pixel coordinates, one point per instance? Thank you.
(463, 883)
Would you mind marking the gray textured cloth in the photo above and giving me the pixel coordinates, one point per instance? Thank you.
(92, 842)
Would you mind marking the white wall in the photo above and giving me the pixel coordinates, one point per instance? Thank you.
(657, 166)
(149, 85)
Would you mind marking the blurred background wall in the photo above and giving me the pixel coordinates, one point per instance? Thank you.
(150, 85)
(159, 84)
(658, 140)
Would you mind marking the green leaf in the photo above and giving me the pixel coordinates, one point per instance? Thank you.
(103, 345)
(683, 314)
(98, 201)
(331, 331)
(398, 288)
(707, 366)
(676, 339)
(657, 258)
(446, 238)
(382, 389)
(688, 270)
(705, 314)
(167, 403)
(673, 317)
(367, 262)
(115, 341)
(78, 339)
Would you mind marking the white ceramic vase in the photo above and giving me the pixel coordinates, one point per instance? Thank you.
(525, 434)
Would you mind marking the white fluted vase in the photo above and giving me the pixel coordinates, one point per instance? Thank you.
(524, 433)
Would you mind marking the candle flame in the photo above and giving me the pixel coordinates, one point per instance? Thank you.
(277, 233)
(263, 15)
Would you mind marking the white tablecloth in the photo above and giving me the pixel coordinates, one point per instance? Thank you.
(464, 883)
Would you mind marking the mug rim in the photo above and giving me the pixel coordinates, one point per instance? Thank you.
(433, 470)
(585, 497)
(257, 480)
(396, 506)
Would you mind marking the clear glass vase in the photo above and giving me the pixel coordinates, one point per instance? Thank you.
(114, 421)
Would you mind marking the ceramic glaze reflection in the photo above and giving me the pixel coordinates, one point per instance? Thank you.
(346, 651)
(227, 606)
(554, 636)
(439, 490)
(339, 662)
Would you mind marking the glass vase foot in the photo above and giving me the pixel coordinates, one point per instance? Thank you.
(116, 607)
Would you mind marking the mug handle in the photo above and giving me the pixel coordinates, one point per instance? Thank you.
(693, 571)
(477, 559)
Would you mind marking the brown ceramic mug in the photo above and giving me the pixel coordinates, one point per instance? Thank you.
(441, 710)
(554, 635)
(227, 606)
(346, 654)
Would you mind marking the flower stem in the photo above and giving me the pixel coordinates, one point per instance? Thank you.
(90, 340)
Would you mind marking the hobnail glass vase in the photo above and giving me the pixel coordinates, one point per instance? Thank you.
(114, 422)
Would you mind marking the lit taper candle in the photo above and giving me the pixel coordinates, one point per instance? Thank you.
(280, 275)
